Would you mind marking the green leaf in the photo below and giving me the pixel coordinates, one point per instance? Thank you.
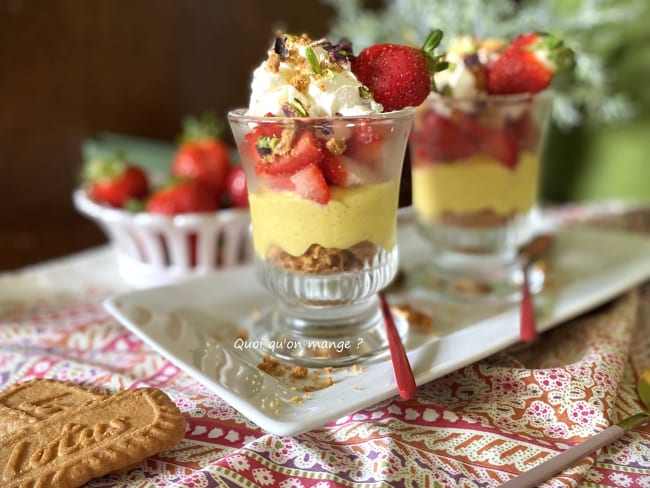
(135, 206)
(432, 41)
(207, 126)
(104, 167)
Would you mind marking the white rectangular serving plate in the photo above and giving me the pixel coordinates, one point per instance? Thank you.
(195, 324)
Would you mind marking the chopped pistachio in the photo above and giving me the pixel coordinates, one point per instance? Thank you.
(265, 145)
(313, 60)
(365, 93)
(300, 108)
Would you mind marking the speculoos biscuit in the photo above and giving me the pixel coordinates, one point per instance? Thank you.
(78, 443)
(33, 400)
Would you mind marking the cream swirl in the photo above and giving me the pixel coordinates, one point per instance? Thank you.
(302, 77)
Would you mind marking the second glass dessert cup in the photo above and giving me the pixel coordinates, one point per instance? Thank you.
(323, 196)
(475, 173)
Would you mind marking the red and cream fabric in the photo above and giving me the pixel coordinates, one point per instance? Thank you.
(476, 427)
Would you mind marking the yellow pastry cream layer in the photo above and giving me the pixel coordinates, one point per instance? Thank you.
(475, 184)
(353, 215)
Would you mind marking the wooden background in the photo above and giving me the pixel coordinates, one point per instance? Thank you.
(70, 69)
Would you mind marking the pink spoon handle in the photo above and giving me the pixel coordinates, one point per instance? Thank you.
(528, 324)
(403, 373)
(565, 459)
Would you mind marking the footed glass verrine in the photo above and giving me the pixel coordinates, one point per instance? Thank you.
(323, 196)
(475, 172)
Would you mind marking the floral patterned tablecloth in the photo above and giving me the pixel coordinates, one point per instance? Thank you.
(476, 427)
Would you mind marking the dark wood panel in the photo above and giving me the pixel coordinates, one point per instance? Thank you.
(72, 68)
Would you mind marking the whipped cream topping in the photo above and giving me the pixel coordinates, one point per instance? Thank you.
(302, 77)
(467, 57)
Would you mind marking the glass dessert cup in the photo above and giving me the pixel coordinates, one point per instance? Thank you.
(475, 173)
(323, 196)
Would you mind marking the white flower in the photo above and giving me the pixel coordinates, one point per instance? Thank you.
(291, 483)
(263, 476)
(238, 463)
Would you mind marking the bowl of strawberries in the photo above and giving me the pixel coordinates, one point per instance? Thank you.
(194, 222)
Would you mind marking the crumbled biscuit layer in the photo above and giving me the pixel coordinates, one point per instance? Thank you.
(477, 220)
(323, 260)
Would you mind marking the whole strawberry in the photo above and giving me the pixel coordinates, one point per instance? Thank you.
(202, 155)
(114, 181)
(399, 76)
(182, 196)
(528, 64)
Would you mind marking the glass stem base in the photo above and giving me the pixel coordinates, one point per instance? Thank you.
(324, 336)
(492, 279)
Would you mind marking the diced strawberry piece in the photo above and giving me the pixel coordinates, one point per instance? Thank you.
(310, 183)
(269, 131)
(279, 183)
(365, 144)
(469, 125)
(335, 173)
(502, 146)
(364, 134)
(306, 150)
(444, 140)
(525, 131)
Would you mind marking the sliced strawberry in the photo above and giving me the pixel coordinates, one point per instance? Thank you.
(525, 131)
(365, 144)
(469, 125)
(306, 150)
(310, 183)
(443, 139)
(502, 146)
(261, 139)
(364, 134)
(335, 173)
(279, 183)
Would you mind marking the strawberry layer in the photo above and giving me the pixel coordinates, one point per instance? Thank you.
(475, 184)
(353, 215)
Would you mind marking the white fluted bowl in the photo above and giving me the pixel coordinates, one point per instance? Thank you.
(154, 250)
